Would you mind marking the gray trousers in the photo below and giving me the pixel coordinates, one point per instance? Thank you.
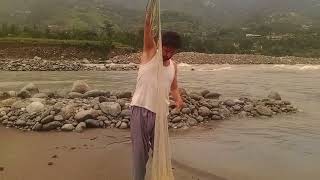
(142, 135)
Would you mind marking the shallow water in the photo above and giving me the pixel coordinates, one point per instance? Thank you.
(283, 147)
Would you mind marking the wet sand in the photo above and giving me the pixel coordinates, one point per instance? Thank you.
(95, 154)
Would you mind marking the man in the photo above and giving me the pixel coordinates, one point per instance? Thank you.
(144, 100)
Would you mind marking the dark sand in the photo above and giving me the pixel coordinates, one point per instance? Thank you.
(95, 154)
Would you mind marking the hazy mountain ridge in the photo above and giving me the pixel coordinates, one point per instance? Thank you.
(184, 15)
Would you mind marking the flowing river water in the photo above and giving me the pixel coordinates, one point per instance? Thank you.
(278, 148)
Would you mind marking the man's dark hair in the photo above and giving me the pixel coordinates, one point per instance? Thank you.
(171, 39)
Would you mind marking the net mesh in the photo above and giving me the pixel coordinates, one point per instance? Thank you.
(161, 168)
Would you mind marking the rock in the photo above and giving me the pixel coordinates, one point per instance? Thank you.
(5, 122)
(204, 92)
(7, 102)
(111, 108)
(216, 117)
(20, 122)
(123, 125)
(37, 58)
(118, 124)
(58, 118)
(263, 110)
(243, 114)
(37, 127)
(47, 119)
(67, 127)
(107, 123)
(40, 95)
(286, 102)
(274, 95)
(80, 87)
(51, 125)
(86, 114)
(195, 96)
(186, 111)
(212, 95)
(85, 61)
(176, 119)
(125, 113)
(236, 107)
(192, 122)
(91, 123)
(214, 103)
(20, 104)
(73, 95)
(37, 100)
(80, 127)
(62, 93)
(68, 111)
(225, 112)
(229, 103)
(31, 88)
(24, 94)
(102, 118)
(175, 112)
(96, 93)
(204, 111)
(125, 95)
(4, 95)
(11, 93)
(35, 107)
(248, 108)
(58, 106)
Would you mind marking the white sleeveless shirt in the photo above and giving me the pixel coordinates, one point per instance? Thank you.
(145, 94)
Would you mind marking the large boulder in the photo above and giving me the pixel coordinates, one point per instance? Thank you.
(111, 108)
(35, 107)
(80, 87)
(274, 95)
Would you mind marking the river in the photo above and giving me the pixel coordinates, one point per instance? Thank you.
(278, 148)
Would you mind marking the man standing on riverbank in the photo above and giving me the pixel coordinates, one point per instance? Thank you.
(144, 100)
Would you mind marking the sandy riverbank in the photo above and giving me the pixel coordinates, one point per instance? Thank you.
(96, 154)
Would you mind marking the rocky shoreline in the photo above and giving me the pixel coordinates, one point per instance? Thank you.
(82, 107)
(129, 62)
